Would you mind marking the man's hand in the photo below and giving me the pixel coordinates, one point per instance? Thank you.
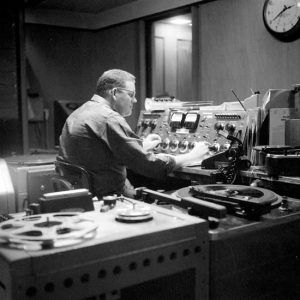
(199, 152)
(151, 141)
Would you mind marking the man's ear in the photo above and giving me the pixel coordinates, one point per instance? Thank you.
(113, 91)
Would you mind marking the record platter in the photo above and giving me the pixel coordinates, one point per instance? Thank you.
(238, 199)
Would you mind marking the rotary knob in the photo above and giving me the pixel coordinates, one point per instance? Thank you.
(230, 127)
(219, 126)
(145, 123)
(183, 146)
(191, 145)
(165, 144)
(224, 147)
(152, 124)
(214, 147)
(174, 145)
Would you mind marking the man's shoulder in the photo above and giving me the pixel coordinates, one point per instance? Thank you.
(114, 119)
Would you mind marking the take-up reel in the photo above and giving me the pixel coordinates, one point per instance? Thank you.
(46, 231)
(135, 214)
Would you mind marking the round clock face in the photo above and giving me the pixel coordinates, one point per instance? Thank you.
(282, 18)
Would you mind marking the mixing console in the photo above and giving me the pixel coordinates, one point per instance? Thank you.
(180, 129)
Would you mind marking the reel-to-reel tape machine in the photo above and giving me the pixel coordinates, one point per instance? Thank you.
(125, 252)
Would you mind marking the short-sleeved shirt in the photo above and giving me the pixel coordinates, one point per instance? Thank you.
(99, 138)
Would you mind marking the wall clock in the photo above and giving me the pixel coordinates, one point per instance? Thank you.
(282, 18)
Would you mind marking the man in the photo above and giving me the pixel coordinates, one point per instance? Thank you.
(97, 137)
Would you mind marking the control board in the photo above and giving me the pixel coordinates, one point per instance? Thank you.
(180, 129)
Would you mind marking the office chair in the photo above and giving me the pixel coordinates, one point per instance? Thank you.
(70, 176)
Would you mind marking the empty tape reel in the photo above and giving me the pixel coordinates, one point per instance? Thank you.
(134, 215)
(46, 231)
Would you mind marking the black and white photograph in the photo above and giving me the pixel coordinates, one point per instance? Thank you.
(150, 149)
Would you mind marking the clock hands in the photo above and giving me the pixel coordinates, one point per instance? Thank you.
(282, 11)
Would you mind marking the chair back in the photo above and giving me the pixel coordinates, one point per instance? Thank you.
(70, 176)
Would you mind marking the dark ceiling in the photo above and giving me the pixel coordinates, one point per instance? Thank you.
(95, 14)
(83, 6)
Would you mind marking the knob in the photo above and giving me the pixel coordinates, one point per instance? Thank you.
(183, 146)
(174, 145)
(191, 145)
(152, 124)
(219, 126)
(215, 147)
(284, 206)
(165, 144)
(224, 147)
(145, 123)
(230, 127)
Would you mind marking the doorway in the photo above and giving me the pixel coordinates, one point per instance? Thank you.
(171, 57)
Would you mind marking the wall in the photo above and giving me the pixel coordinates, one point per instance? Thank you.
(237, 52)
(11, 139)
(66, 63)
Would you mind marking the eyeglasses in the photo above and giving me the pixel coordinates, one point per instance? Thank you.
(131, 94)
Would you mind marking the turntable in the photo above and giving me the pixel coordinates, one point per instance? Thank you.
(246, 201)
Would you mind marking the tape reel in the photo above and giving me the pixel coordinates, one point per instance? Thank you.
(136, 214)
(46, 231)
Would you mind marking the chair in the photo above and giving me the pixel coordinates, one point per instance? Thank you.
(70, 176)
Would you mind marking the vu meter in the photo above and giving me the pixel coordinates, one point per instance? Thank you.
(191, 121)
(176, 120)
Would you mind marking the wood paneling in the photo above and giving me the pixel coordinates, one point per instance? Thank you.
(11, 129)
(237, 52)
(159, 66)
(184, 72)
